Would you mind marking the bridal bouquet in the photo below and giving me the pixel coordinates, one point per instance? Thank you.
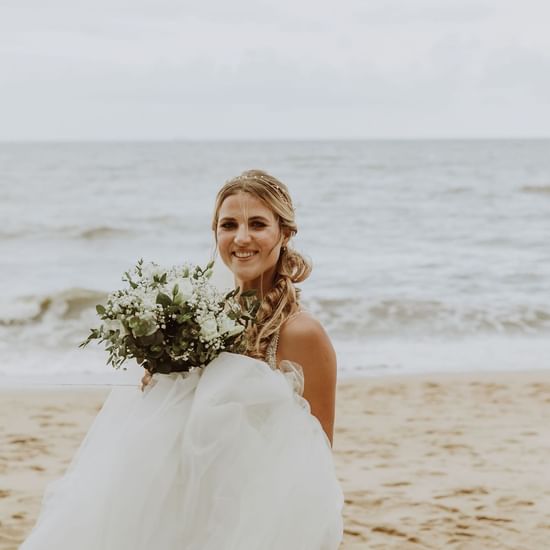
(171, 320)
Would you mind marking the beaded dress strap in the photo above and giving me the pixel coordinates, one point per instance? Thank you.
(292, 371)
(271, 352)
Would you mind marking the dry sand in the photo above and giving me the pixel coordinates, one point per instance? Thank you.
(432, 461)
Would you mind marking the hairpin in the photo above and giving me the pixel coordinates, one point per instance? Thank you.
(271, 184)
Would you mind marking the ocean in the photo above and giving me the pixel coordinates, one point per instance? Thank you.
(429, 256)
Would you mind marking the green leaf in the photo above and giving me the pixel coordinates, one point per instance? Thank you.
(164, 299)
(152, 339)
(133, 322)
(100, 309)
(184, 317)
(129, 279)
(249, 293)
(231, 294)
(255, 309)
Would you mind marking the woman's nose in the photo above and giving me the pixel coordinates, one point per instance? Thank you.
(242, 236)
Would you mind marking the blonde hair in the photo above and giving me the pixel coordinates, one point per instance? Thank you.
(282, 300)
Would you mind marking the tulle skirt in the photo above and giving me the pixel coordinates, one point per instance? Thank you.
(224, 458)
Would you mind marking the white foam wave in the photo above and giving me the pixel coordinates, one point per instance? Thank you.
(541, 189)
(361, 318)
(59, 306)
(66, 232)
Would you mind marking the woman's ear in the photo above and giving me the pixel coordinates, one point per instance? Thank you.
(286, 238)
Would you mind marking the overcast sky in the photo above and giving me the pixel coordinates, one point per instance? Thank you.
(258, 69)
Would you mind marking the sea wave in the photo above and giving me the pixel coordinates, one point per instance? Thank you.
(68, 232)
(457, 190)
(343, 316)
(361, 318)
(63, 305)
(542, 189)
(102, 232)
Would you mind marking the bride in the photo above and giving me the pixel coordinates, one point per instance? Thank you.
(235, 456)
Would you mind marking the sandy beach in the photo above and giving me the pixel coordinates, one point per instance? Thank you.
(433, 461)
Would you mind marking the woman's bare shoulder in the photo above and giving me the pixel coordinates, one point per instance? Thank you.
(302, 335)
(300, 324)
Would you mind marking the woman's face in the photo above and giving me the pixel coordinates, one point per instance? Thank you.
(249, 240)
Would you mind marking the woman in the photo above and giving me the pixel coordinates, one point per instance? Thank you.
(235, 456)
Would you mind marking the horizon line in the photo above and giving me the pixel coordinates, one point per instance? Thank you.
(83, 140)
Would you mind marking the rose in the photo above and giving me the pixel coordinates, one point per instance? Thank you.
(236, 330)
(184, 291)
(209, 329)
(227, 326)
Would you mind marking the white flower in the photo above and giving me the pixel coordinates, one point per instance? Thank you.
(114, 324)
(228, 326)
(209, 329)
(151, 270)
(236, 330)
(152, 324)
(185, 291)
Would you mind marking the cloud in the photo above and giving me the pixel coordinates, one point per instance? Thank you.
(260, 62)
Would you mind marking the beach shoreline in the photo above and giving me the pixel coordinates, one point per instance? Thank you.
(447, 460)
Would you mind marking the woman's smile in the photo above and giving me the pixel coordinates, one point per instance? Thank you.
(245, 254)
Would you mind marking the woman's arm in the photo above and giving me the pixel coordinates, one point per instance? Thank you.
(303, 340)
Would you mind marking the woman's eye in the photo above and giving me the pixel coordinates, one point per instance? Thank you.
(258, 224)
(227, 225)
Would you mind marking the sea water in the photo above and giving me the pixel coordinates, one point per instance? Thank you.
(428, 255)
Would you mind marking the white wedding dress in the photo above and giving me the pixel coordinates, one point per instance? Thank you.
(224, 458)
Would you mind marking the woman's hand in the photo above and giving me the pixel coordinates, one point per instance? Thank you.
(145, 380)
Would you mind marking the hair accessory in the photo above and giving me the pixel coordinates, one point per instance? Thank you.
(260, 177)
